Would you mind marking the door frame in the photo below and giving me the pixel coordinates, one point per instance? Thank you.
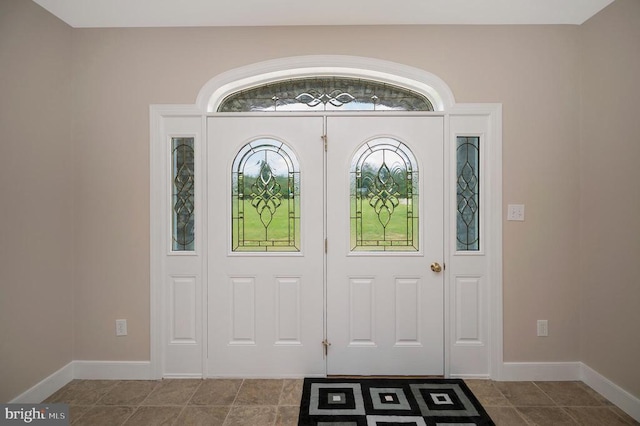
(473, 338)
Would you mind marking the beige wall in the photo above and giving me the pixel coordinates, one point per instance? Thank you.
(36, 196)
(102, 213)
(531, 70)
(610, 203)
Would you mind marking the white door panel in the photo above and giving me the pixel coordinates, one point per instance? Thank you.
(385, 308)
(266, 309)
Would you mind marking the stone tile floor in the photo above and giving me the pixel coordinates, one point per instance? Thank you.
(255, 402)
(546, 403)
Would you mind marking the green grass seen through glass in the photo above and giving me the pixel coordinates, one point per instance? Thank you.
(280, 229)
(254, 229)
(397, 229)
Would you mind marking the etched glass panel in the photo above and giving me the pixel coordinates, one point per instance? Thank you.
(265, 198)
(326, 94)
(183, 205)
(468, 173)
(384, 197)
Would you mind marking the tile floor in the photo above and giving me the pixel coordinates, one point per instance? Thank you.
(546, 403)
(236, 402)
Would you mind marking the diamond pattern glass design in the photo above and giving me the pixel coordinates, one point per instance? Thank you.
(265, 198)
(325, 94)
(468, 179)
(183, 205)
(384, 197)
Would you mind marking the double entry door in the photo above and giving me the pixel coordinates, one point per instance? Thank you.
(321, 233)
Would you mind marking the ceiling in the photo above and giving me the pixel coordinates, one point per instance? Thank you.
(191, 13)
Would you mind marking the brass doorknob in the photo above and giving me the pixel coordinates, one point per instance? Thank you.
(435, 267)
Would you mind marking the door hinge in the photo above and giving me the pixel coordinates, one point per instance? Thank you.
(325, 347)
(324, 138)
(326, 245)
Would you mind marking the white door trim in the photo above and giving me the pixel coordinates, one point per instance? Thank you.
(485, 120)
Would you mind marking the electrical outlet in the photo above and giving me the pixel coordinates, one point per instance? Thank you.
(543, 328)
(121, 327)
(515, 212)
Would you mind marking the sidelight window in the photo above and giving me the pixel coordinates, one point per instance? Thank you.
(468, 196)
(183, 205)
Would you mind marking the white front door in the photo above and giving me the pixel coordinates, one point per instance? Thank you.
(385, 228)
(265, 237)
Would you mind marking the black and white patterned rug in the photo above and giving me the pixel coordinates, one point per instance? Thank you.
(389, 402)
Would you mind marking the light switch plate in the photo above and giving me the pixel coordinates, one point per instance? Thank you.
(515, 212)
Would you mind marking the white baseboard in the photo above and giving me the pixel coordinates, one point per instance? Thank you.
(265, 376)
(182, 376)
(112, 370)
(470, 376)
(614, 393)
(46, 387)
(542, 371)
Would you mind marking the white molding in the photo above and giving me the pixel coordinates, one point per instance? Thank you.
(267, 376)
(446, 247)
(183, 376)
(614, 393)
(540, 371)
(112, 370)
(494, 230)
(156, 263)
(46, 387)
(470, 376)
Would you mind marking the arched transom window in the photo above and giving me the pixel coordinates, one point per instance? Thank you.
(325, 94)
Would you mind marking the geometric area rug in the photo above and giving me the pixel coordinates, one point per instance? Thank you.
(389, 402)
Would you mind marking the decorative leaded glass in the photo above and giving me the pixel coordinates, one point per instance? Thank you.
(326, 94)
(468, 172)
(384, 197)
(182, 172)
(265, 198)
